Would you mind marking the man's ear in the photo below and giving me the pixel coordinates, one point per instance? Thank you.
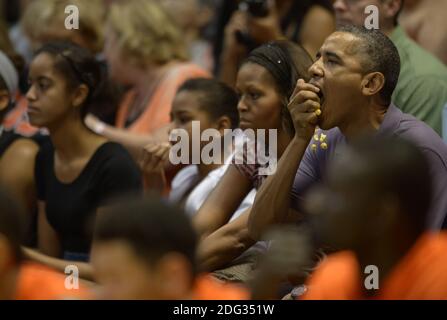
(4, 100)
(80, 95)
(372, 83)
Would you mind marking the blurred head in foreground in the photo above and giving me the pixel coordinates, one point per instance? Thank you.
(377, 193)
(144, 249)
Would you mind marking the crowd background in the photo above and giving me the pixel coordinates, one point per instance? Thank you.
(85, 177)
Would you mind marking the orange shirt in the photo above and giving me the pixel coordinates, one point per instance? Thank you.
(38, 282)
(420, 274)
(156, 113)
(208, 288)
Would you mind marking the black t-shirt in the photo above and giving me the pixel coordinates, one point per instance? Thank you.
(71, 208)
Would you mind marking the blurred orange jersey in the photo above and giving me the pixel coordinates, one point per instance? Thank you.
(208, 288)
(420, 274)
(157, 112)
(38, 282)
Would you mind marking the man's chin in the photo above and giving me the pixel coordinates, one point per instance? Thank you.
(325, 125)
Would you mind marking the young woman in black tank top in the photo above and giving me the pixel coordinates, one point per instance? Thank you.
(77, 172)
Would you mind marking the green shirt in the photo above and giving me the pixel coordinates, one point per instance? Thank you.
(422, 87)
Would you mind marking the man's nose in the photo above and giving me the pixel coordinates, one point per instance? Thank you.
(316, 70)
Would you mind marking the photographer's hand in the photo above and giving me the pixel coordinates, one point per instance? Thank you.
(233, 52)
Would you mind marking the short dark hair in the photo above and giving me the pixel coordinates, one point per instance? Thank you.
(215, 97)
(79, 66)
(379, 55)
(286, 62)
(151, 227)
(12, 224)
(397, 167)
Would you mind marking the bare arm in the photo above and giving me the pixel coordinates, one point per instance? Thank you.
(222, 202)
(49, 250)
(225, 244)
(134, 143)
(271, 207)
(233, 52)
(17, 171)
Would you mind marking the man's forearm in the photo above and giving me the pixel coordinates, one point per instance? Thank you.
(272, 200)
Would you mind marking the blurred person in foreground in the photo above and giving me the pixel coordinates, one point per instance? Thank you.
(372, 207)
(151, 255)
(20, 279)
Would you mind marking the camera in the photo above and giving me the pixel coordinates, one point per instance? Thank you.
(256, 8)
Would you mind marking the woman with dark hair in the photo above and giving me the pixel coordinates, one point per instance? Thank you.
(265, 82)
(78, 171)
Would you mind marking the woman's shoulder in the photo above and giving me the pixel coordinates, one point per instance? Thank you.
(112, 161)
(113, 152)
(187, 68)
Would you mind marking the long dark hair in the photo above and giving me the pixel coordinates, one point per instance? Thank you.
(286, 62)
(79, 66)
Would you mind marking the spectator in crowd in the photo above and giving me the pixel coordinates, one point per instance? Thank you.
(192, 17)
(17, 154)
(373, 207)
(44, 21)
(77, 171)
(265, 81)
(151, 256)
(423, 22)
(20, 279)
(306, 22)
(349, 94)
(422, 87)
(214, 105)
(145, 51)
